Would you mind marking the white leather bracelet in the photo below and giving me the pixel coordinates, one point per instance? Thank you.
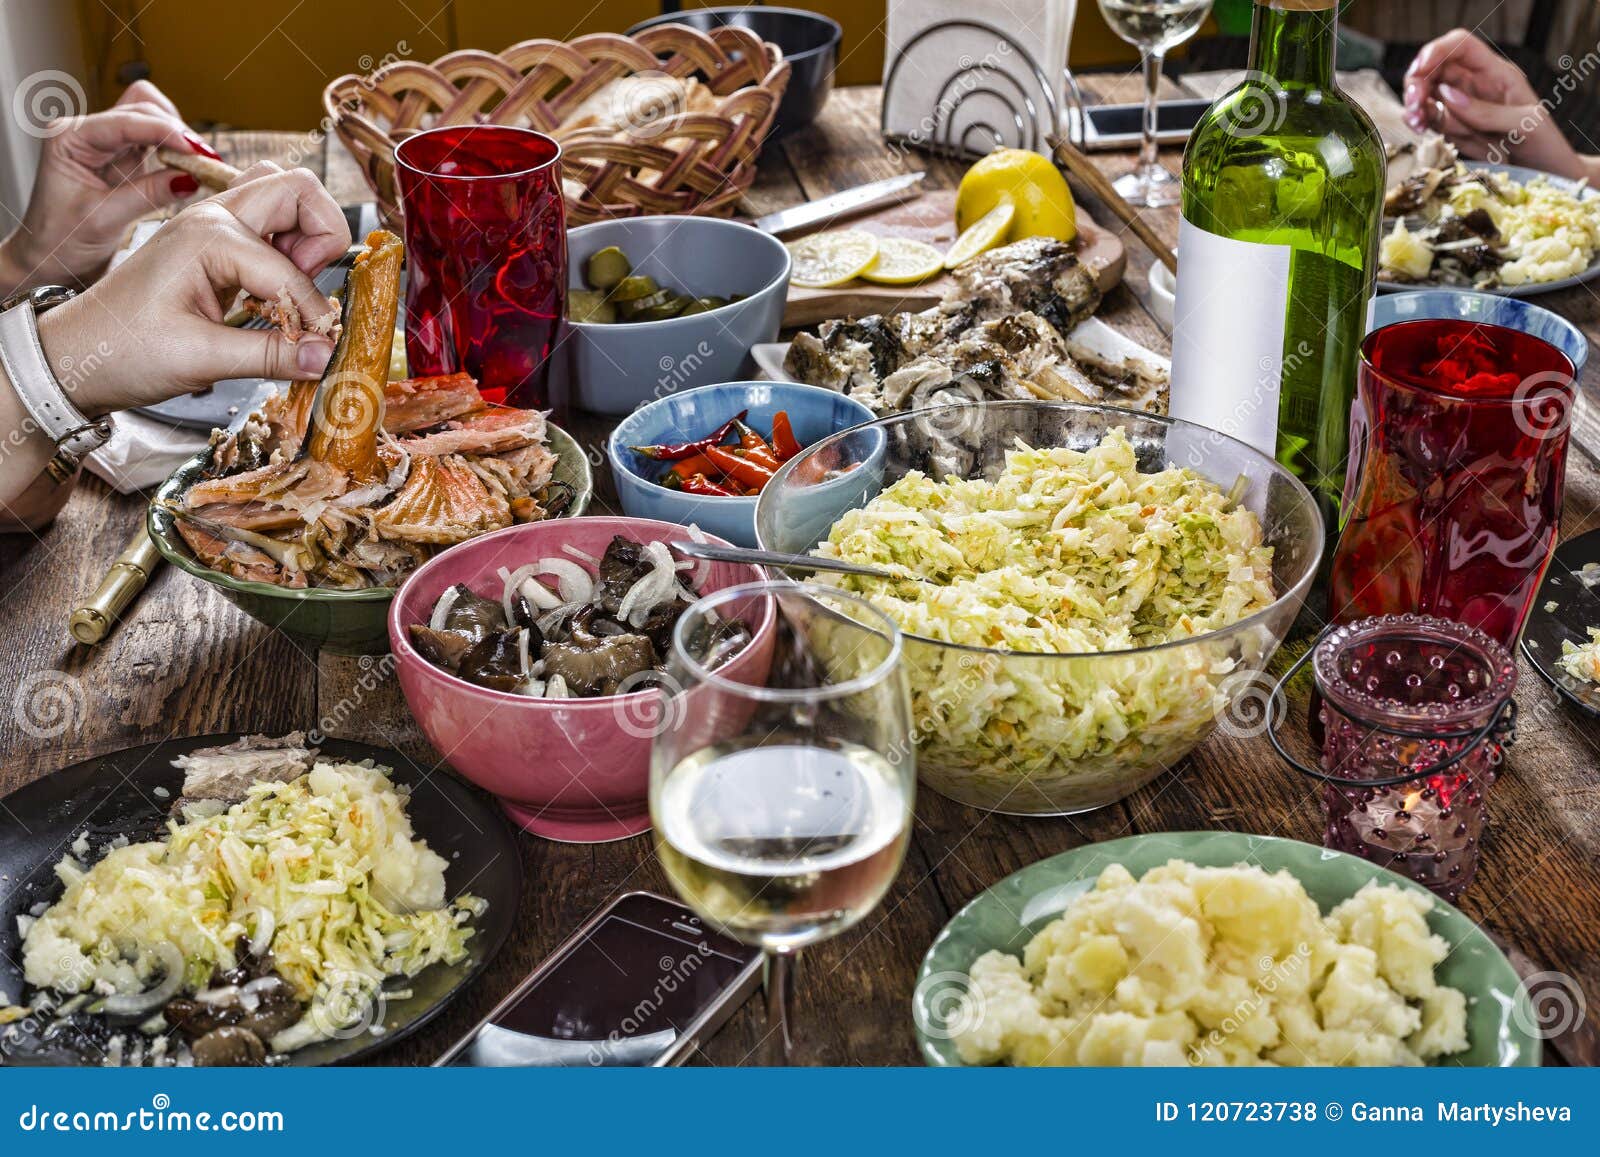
(40, 393)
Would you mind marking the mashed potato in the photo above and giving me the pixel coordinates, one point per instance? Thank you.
(1217, 966)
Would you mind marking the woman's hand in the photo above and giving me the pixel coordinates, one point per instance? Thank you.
(1461, 87)
(152, 328)
(91, 186)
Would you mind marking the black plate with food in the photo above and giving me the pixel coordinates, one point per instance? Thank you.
(1568, 604)
(116, 803)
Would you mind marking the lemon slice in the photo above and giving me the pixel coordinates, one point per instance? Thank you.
(902, 261)
(823, 260)
(984, 233)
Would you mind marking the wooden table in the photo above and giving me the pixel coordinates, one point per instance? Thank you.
(187, 662)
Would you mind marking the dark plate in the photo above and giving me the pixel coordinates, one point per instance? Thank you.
(115, 794)
(1577, 607)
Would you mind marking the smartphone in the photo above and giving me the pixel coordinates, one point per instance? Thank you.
(1115, 126)
(640, 984)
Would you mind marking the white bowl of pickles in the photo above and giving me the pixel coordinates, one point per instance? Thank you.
(661, 304)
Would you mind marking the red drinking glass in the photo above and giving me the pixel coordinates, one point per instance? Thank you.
(1458, 453)
(486, 257)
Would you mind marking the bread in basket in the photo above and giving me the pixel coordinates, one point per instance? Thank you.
(668, 121)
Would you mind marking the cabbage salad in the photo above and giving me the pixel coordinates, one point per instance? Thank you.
(1066, 553)
(324, 873)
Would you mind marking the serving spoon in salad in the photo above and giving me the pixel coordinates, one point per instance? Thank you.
(780, 560)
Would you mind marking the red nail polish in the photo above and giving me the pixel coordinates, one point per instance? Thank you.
(201, 147)
(183, 184)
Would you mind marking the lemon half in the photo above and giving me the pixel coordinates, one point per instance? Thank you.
(823, 260)
(902, 261)
(1030, 183)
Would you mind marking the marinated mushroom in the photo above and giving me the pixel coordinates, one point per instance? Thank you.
(592, 664)
(229, 1047)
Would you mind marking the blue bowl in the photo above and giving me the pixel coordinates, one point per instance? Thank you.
(815, 413)
(1493, 309)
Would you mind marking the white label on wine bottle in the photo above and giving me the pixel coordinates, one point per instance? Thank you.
(1227, 335)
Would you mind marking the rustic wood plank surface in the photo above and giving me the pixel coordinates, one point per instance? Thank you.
(187, 662)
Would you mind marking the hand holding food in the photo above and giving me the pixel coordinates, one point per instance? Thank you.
(92, 184)
(1459, 86)
(153, 328)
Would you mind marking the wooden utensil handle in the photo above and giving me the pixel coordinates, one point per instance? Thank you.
(1080, 166)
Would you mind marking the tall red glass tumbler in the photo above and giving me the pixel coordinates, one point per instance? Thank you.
(486, 258)
(1453, 497)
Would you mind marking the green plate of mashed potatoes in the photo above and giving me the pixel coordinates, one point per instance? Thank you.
(1217, 948)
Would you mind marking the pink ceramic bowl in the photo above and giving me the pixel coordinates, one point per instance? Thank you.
(567, 769)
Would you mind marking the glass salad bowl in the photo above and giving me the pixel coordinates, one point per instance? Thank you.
(1032, 733)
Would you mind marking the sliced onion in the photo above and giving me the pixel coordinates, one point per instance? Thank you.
(522, 651)
(510, 580)
(539, 595)
(549, 622)
(441, 609)
(702, 568)
(577, 584)
(556, 688)
(581, 555)
(655, 588)
(534, 688)
(140, 1003)
(267, 924)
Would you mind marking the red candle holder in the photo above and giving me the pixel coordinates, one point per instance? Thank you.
(1416, 714)
(486, 258)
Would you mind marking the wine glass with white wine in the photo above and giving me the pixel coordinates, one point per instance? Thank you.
(1154, 27)
(783, 772)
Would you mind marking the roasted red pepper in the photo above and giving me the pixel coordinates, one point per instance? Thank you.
(738, 468)
(700, 484)
(673, 451)
(783, 439)
(755, 447)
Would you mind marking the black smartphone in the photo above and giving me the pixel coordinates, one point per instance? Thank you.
(640, 984)
(1120, 125)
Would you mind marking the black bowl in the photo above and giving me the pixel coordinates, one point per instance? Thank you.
(810, 43)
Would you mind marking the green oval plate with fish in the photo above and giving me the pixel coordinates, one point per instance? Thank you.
(345, 622)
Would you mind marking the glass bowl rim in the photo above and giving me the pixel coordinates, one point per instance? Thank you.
(1294, 593)
(881, 670)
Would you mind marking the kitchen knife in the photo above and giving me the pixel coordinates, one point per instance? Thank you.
(846, 204)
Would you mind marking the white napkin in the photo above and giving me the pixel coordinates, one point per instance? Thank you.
(1043, 28)
(142, 452)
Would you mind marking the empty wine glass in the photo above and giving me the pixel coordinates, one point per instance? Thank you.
(783, 773)
(1155, 27)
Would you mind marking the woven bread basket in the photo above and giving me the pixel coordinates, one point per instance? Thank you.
(686, 115)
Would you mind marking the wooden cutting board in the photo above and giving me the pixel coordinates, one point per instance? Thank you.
(931, 218)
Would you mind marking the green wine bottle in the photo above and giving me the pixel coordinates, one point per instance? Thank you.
(1283, 183)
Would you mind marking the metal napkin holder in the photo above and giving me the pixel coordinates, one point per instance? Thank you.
(1032, 124)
